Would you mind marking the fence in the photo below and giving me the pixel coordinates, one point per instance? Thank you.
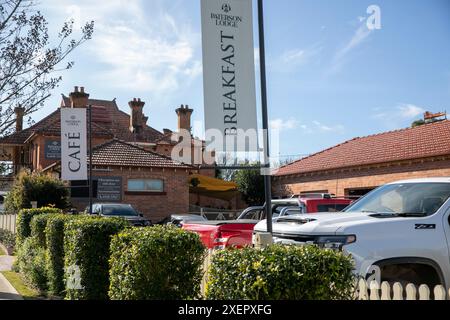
(8, 222)
(374, 291)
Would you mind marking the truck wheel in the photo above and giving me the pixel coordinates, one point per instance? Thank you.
(416, 274)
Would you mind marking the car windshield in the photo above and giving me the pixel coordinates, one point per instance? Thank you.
(421, 199)
(118, 210)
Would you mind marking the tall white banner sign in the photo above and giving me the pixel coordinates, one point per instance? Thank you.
(73, 144)
(228, 67)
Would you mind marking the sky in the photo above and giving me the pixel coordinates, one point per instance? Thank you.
(330, 78)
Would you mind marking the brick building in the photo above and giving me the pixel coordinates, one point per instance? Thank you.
(126, 149)
(154, 184)
(356, 167)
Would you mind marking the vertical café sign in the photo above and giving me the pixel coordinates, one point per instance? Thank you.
(73, 144)
(228, 66)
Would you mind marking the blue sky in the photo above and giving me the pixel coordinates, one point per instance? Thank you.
(330, 78)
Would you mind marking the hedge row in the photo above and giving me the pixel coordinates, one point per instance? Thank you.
(161, 263)
(280, 273)
(24, 221)
(86, 258)
(54, 233)
(7, 238)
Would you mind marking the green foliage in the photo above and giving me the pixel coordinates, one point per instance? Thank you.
(280, 273)
(251, 186)
(46, 190)
(418, 123)
(161, 263)
(31, 262)
(24, 220)
(38, 226)
(7, 238)
(55, 250)
(87, 248)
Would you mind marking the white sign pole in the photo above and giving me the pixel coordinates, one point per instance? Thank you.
(228, 66)
(73, 144)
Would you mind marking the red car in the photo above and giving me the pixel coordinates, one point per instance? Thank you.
(238, 233)
(223, 234)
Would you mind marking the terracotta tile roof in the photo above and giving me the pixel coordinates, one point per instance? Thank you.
(412, 143)
(108, 121)
(19, 138)
(120, 153)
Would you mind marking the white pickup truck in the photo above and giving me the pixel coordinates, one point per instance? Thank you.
(398, 232)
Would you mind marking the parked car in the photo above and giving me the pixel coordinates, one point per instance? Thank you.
(2, 200)
(238, 233)
(180, 219)
(398, 232)
(307, 203)
(120, 210)
(223, 234)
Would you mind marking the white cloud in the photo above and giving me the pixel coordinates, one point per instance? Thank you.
(282, 125)
(410, 111)
(361, 34)
(396, 117)
(314, 127)
(297, 57)
(138, 52)
(326, 128)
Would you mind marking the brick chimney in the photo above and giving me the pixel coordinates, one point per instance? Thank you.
(19, 111)
(78, 99)
(184, 117)
(137, 118)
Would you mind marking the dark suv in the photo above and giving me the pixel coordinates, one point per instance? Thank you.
(120, 210)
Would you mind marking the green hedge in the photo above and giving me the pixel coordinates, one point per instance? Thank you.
(161, 263)
(280, 273)
(87, 252)
(31, 262)
(7, 238)
(24, 220)
(54, 233)
(38, 225)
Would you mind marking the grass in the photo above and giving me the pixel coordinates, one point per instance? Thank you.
(22, 288)
(3, 252)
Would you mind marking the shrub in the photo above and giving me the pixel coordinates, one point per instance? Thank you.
(24, 220)
(38, 225)
(280, 273)
(156, 263)
(7, 238)
(54, 233)
(46, 190)
(87, 250)
(30, 262)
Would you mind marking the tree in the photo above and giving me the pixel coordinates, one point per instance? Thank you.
(418, 123)
(46, 190)
(29, 59)
(251, 186)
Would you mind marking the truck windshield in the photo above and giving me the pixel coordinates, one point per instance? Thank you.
(415, 199)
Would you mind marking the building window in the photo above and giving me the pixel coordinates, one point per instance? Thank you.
(145, 185)
(80, 189)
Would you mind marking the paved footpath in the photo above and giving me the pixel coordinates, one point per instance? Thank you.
(7, 291)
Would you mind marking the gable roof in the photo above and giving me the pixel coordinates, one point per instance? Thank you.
(120, 153)
(407, 144)
(108, 121)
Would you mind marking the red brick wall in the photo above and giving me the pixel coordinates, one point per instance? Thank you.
(42, 163)
(154, 206)
(364, 177)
